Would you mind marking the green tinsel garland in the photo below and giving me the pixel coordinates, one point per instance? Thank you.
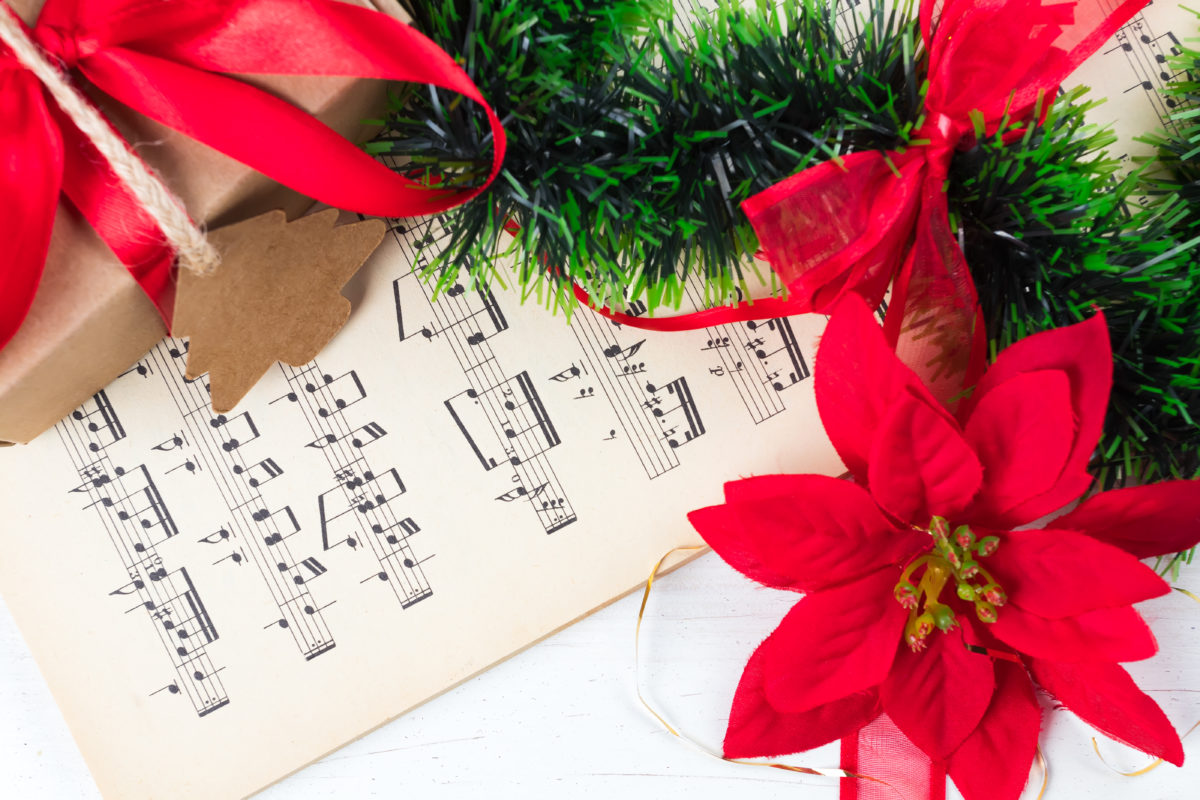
(634, 136)
(1050, 230)
(1171, 362)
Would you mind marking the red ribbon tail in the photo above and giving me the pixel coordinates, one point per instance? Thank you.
(902, 770)
(746, 311)
(933, 319)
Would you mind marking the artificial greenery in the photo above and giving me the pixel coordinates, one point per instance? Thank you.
(1171, 364)
(634, 134)
(1052, 229)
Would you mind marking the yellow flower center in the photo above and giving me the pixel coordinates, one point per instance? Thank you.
(955, 557)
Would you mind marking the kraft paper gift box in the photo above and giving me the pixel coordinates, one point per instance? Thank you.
(90, 321)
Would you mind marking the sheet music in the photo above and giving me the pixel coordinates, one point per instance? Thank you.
(1132, 68)
(217, 600)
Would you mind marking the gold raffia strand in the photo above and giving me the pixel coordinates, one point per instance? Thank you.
(825, 772)
(1158, 762)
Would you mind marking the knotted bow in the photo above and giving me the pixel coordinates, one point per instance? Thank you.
(857, 222)
(169, 60)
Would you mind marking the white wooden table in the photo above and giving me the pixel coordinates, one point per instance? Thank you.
(562, 720)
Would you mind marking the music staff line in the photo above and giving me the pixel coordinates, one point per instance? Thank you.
(652, 429)
(359, 508)
(749, 376)
(251, 527)
(135, 531)
(502, 418)
(1150, 64)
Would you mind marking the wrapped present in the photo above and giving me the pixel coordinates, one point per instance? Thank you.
(90, 320)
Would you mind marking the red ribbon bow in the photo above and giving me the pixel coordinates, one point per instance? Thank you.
(165, 59)
(854, 223)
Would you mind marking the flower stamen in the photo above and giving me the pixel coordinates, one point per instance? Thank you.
(955, 556)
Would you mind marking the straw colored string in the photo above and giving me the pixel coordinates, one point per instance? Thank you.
(192, 249)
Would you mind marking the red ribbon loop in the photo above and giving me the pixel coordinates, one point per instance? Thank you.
(856, 223)
(63, 45)
(174, 61)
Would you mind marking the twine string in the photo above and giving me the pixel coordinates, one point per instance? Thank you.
(192, 250)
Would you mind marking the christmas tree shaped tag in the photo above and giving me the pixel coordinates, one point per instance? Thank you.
(276, 296)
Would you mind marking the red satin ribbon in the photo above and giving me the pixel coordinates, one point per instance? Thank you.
(856, 223)
(168, 59)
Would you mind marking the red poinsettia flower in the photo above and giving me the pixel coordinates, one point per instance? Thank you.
(918, 568)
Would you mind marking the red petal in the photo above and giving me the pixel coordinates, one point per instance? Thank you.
(1022, 432)
(1144, 520)
(756, 728)
(723, 531)
(803, 532)
(936, 697)
(1061, 573)
(1081, 351)
(834, 643)
(857, 379)
(920, 463)
(993, 763)
(1110, 634)
(1105, 697)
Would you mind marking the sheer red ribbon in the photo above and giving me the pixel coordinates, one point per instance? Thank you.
(873, 219)
(170, 60)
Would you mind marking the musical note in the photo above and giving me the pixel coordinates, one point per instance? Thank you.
(507, 417)
(100, 422)
(368, 433)
(189, 465)
(335, 394)
(235, 432)
(755, 382)
(172, 443)
(503, 424)
(633, 406)
(252, 533)
(360, 508)
(623, 354)
(260, 473)
(138, 521)
(685, 407)
(570, 373)
(139, 368)
(1142, 55)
